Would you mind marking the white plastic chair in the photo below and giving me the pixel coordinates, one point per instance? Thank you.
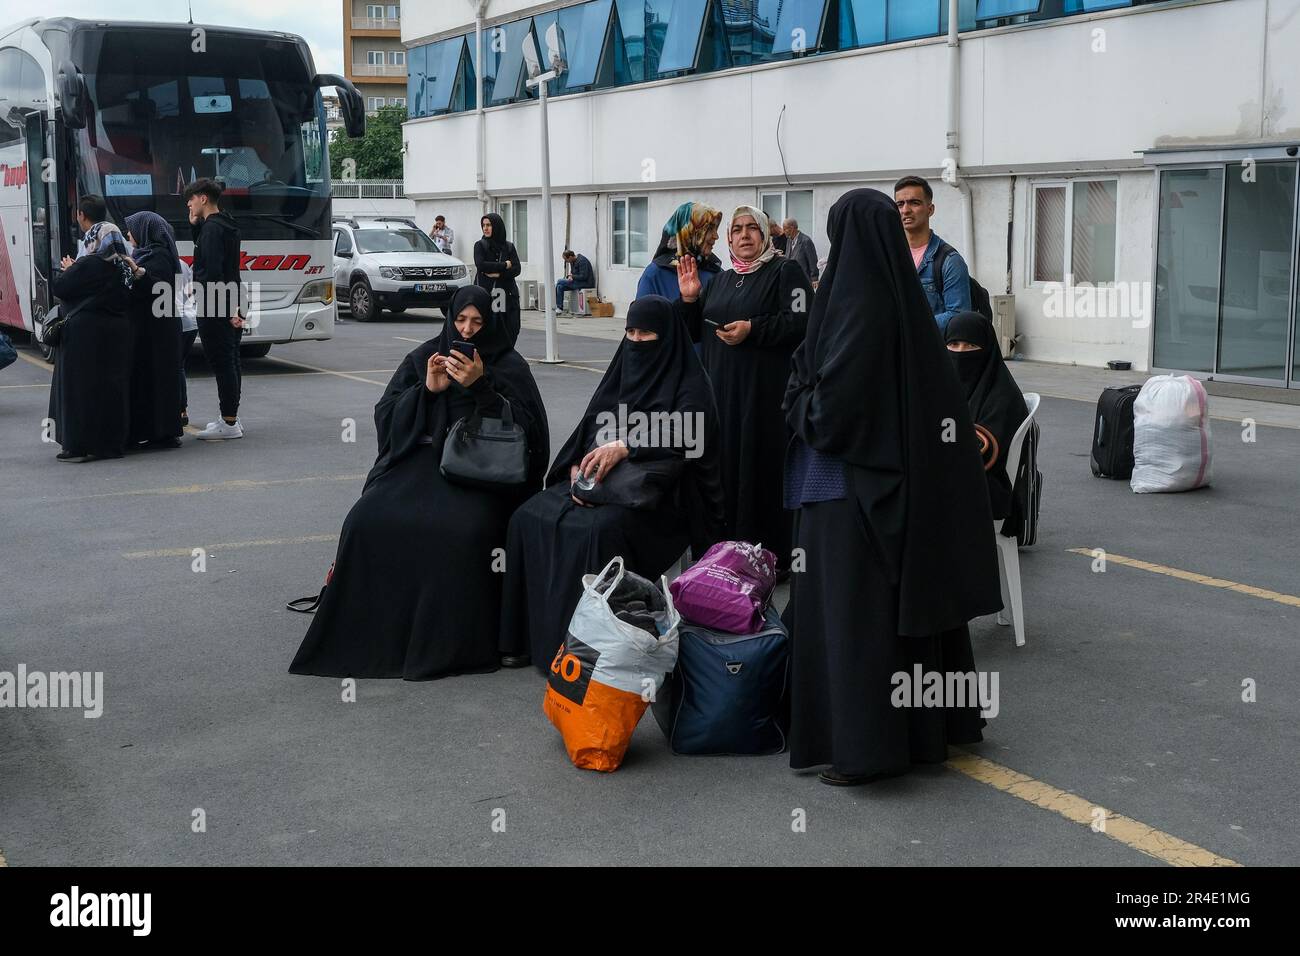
(1008, 550)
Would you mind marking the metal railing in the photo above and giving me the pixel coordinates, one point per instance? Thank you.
(369, 189)
(378, 69)
(376, 23)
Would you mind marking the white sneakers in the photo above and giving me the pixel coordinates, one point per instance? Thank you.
(220, 431)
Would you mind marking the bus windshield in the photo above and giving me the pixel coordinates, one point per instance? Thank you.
(245, 112)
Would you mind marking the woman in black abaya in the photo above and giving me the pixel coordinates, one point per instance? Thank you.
(416, 586)
(749, 320)
(89, 395)
(156, 351)
(892, 516)
(554, 539)
(993, 397)
(496, 261)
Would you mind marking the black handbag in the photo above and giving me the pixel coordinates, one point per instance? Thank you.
(640, 485)
(490, 453)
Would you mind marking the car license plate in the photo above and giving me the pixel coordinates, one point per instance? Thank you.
(431, 287)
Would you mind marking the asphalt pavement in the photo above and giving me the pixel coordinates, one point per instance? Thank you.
(1127, 697)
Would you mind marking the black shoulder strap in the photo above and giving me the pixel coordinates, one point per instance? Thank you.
(936, 267)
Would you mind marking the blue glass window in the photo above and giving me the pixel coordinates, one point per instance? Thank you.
(862, 23)
(992, 9)
(1093, 5)
(444, 85)
(416, 58)
(909, 19)
(644, 25)
(682, 42)
(585, 27)
(504, 51)
(799, 26)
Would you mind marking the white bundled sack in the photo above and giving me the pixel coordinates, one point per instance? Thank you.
(1171, 435)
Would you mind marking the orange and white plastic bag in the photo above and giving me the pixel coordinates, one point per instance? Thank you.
(608, 671)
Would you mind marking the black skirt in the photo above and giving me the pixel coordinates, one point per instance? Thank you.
(843, 621)
(416, 591)
(553, 542)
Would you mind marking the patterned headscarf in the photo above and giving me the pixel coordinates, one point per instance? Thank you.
(688, 228)
(106, 241)
(766, 254)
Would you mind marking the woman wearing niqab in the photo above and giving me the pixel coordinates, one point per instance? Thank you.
(892, 515)
(554, 539)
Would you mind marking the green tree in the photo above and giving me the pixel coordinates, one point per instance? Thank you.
(378, 154)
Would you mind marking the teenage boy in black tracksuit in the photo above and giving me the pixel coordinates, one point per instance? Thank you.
(217, 295)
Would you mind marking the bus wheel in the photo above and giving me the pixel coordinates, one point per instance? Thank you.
(259, 350)
(362, 301)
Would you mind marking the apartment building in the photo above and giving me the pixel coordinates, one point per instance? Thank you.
(373, 55)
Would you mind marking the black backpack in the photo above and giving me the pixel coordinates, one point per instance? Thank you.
(979, 296)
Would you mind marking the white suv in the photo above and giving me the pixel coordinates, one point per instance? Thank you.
(387, 262)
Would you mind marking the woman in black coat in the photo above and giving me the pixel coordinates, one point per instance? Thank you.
(892, 514)
(90, 392)
(416, 586)
(749, 320)
(497, 263)
(654, 379)
(993, 397)
(156, 333)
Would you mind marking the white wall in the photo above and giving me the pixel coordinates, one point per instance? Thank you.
(1060, 98)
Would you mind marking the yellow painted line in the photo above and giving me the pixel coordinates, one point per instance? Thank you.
(1145, 839)
(1288, 599)
(39, 363)
(229, 546)
(239, 484)
(323, 371)
(42, 385)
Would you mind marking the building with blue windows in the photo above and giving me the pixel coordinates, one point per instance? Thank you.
(1126, 170)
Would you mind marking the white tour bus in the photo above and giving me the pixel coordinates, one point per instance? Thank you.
(133, 112)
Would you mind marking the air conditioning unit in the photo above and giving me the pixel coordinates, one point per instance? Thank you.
(1004, 322)
(528, 295)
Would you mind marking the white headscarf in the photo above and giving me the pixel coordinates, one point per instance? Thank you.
(768, 251)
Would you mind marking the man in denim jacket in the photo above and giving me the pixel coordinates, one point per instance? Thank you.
(951, 294)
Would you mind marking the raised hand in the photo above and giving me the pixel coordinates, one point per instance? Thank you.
(688, 278)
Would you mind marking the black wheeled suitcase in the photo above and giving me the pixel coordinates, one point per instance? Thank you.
(1112, 433)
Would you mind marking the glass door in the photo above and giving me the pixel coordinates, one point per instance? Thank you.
(1256, 315)
(1225, 277)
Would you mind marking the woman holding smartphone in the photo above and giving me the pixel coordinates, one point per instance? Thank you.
(416, 586)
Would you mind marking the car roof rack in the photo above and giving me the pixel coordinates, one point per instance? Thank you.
(409, 220)
(350, 220)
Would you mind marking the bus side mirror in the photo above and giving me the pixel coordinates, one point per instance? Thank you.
(72, 96)
(351, 105)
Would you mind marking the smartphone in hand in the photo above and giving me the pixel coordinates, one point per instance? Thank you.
(464, 348)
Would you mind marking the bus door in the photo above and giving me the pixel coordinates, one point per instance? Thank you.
(38, 191)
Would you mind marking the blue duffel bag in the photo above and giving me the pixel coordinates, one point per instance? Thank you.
(727, 694)
(8, 355)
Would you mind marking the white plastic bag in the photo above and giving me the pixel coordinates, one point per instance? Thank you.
(1171, 435)
(607, 672)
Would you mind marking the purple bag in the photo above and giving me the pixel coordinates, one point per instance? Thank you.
(728, 588)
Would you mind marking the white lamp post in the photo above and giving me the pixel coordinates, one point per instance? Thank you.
(555, 58)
